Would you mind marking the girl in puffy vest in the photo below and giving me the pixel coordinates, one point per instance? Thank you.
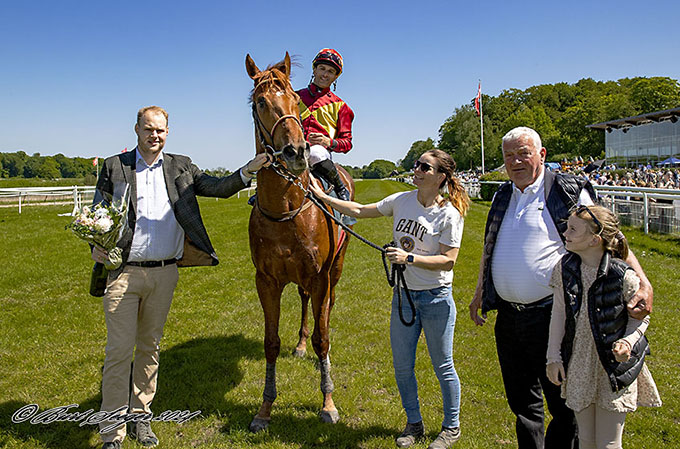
(605, 376)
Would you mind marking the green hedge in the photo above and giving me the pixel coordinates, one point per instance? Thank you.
(487, 191)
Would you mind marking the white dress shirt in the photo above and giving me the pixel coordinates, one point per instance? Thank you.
(528, 246)
(157, 234)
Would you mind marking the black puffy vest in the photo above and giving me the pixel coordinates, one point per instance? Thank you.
(607, 314)
(562, 192)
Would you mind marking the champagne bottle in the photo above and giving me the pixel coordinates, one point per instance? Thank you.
(98, 280)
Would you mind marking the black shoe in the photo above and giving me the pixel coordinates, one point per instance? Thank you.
(142, 432)
(411, 433)
(111, 445)
(252, 199)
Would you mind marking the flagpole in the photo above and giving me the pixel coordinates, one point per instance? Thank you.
(481, 122)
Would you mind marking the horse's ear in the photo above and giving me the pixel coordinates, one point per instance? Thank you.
(251, 68)
(286, 63)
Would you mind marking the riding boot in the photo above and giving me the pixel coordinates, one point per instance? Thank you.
(327, 170)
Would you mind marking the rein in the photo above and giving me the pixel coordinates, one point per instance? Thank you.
(276, 165)
(286, 216)
(395, 278)
(283, 172)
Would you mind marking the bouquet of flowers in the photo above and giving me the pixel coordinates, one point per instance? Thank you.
(103, 225)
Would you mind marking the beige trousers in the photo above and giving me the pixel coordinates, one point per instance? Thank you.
(599, 428)
(136, 305)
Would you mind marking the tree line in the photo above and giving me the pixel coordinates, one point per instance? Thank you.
(559, 112)
(21, 165)
(377, 169)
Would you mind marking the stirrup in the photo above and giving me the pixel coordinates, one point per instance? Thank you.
(342, 192)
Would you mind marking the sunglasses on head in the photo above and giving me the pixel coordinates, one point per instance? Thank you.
(424, 166)
(581, 209)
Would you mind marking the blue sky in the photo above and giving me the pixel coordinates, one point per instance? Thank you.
(73, 74)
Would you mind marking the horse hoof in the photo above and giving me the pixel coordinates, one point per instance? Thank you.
(300, 353)
(330, 417)
(258, 424)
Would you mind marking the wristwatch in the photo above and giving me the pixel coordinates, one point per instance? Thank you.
(409, 259)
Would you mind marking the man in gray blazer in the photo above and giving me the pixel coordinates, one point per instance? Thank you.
(165, 231)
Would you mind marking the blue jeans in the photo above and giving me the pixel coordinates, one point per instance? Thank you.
(436, 315)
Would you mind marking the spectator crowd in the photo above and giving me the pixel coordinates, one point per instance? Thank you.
(610, 175)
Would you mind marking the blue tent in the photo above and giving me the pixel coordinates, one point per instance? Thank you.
(670, 161)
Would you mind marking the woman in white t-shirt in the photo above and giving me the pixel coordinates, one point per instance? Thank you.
(428, 229)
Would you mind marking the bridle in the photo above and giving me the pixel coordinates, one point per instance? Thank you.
(277, 166)
(397, 275)
(262, 131)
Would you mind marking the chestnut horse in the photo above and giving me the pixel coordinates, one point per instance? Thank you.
(290, 239)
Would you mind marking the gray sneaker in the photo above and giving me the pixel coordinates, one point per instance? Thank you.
(446, 438)
(142, 432)
(411, 432)
(111, 445)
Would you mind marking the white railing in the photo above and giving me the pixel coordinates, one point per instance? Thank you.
(248, 191)
(24, 196)
(640, 206)
(78, 195)
(658, 209)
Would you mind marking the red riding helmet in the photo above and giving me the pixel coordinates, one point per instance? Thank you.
(330, 57)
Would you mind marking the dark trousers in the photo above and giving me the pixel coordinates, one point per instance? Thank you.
(521, 342)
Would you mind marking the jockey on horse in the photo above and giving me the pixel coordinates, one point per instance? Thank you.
(326, 119)
(291, 241)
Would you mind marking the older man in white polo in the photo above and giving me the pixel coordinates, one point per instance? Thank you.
(523, 242)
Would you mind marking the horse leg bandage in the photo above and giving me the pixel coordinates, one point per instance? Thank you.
(326, 381)
(269, 394)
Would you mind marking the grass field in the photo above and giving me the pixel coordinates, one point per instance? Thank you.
(52, 338)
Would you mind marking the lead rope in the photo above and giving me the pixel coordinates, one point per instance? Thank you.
(397, 275)
(397, 278)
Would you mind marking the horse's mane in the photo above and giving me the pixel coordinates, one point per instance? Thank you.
(275, 74)
(294, 62)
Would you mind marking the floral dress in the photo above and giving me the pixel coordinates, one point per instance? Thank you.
(587, 382)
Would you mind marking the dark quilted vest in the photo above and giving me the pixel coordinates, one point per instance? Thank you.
(563, 193)
(607, 314)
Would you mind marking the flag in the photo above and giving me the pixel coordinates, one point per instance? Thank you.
(95, 161)
(478, 98)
